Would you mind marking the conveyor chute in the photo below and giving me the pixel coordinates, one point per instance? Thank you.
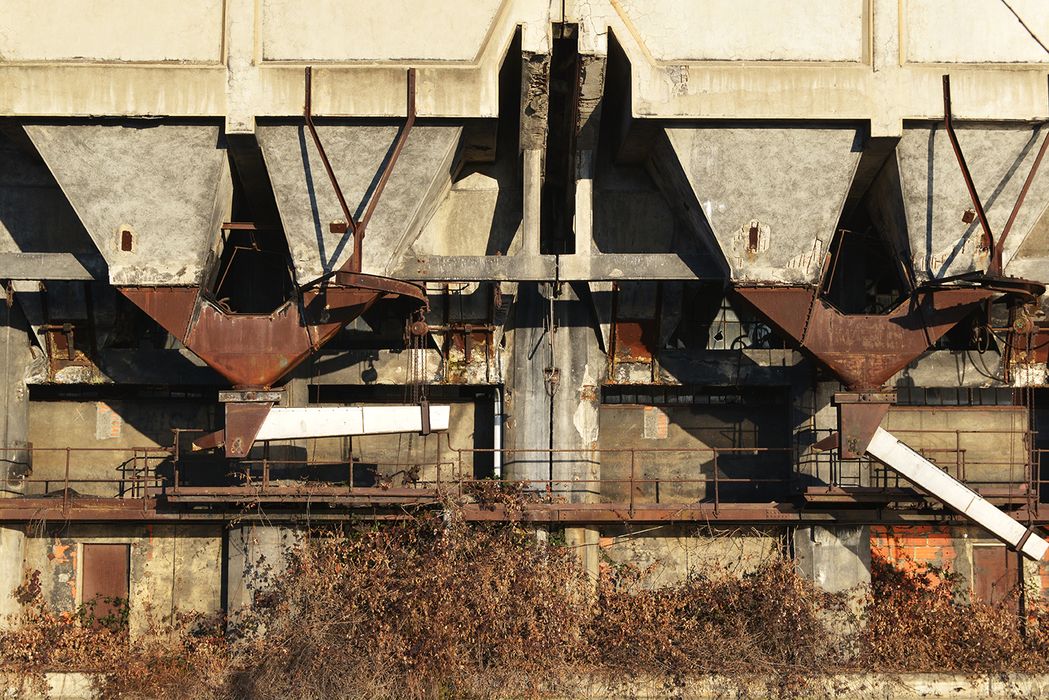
(927, 476)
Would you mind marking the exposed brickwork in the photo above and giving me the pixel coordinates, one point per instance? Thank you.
(915, 546)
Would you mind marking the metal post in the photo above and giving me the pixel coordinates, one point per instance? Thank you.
(717, 494)
(65, 489)
(633, 467)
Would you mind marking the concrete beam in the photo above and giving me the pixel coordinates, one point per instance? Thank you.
(566, 268)
(43, 266)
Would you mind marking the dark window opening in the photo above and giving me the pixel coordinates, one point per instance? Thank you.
(253, 274)
(558, 192)
(864, 275)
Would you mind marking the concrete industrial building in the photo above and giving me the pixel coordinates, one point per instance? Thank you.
(737, 273)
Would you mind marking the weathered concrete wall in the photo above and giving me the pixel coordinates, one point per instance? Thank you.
(877, 60)
(256, 555)
(676, 445)
(173, 568)
(980, 444)
(111, 429)
(670, 554)
(835, 558)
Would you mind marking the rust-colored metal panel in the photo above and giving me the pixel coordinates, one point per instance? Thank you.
(243, 421)
(636, 341)
(864, 350)
(995, 573)
(857, 423)
(171, 307)
(105, 584)
(255, 350)
(786, 308)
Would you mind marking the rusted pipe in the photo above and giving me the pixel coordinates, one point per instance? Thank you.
(1000, 248)
(308, 113)
(995, 265)
(402, 138)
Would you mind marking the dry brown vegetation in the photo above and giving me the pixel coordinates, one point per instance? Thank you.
(432, 608)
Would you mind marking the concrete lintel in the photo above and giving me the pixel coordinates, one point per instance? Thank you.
(548, 268)
(42, 266)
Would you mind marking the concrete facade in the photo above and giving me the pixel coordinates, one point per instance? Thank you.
(586, 188)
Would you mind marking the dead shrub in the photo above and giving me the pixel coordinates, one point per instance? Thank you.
(415, 610)
(432, 608)
(917, 620)
(186, 659)
(767, 622)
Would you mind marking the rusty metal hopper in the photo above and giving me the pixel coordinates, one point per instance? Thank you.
(864, 350)
(255, 350)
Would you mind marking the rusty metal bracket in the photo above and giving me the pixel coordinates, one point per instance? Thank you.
(1000, 248)
(994, 268)
(357, 228)
(308, 113)
(859, 415)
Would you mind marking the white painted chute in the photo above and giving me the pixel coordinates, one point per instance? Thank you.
(927, 476)
(337, 421)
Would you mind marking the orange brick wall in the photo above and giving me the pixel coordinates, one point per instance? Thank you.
(913, 546)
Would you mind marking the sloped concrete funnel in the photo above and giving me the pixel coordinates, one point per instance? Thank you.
(945, 237)
(308, 205)
(151, 197)
(864, 350)
(771, 196)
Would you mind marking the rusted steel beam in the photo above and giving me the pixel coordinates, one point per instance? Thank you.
(995, 266)
(1000, 247)
(42, 510)
(864, 350)
(308, 114)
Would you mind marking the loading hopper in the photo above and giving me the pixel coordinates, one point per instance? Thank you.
(771, 196)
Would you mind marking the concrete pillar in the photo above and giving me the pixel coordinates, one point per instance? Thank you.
(837, 558)
(584, 541)
(256, 556)
(15, 357)
(581, 366)
(526, 402)
(12, 557)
